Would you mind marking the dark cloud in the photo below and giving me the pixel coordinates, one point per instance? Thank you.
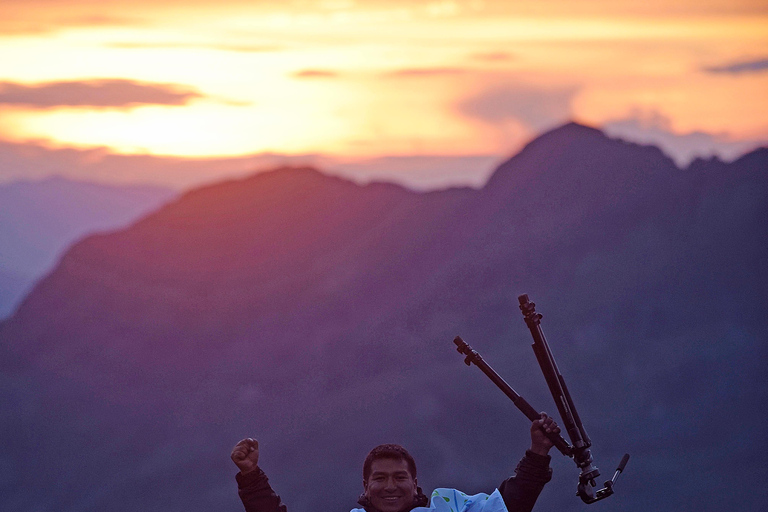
(537, 108)
(735, 68)
(425, 72)
(94, 93)
(315, 73)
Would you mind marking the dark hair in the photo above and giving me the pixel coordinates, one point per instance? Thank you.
(388, 451)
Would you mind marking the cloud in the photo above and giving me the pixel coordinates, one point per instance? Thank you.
(537, 108)
(58, 14)
(493, 56)
(244, 48)
(25, 161)
(34, 160)
(420, 172)
(735, 68)
(424, 72)
(315, 73)
(653, 128)
(25, 19)
(114, 93)
(102, 20)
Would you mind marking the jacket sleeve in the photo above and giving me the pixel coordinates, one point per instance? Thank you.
(521, 490)
(256, 493)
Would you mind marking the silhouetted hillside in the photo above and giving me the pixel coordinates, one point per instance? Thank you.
(317, 315)
(39, 220)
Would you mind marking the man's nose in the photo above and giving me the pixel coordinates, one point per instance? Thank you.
(391, 484)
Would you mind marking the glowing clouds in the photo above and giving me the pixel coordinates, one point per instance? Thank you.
(315, 73)
(736, 68)
(537, 107)
(95, 94)
(368, 78)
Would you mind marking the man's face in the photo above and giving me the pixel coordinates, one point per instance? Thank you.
(390, 486)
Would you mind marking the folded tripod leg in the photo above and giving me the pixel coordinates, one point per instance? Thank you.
(571, 421)
(531, 413)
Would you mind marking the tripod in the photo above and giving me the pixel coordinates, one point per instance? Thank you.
(578, 448)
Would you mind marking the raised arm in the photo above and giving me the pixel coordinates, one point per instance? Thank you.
(252, 483)
(521, 490)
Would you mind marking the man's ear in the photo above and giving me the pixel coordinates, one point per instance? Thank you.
(365, 487)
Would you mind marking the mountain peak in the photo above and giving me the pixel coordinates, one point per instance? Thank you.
(567, 143)
(573, 128)
(571, 134)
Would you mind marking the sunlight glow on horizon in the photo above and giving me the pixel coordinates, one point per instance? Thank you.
(369, 81)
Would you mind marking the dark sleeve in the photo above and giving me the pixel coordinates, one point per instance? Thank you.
(256, 493)
(521, 490)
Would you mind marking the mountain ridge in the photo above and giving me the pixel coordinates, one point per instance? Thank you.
(304, 310)
(39, 219)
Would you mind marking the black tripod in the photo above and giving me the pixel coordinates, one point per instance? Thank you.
(578, 449)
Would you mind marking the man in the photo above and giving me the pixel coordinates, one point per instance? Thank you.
(390, 484)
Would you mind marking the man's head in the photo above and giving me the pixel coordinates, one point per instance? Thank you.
(389, 478)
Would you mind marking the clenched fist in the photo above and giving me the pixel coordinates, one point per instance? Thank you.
(540, 443)
(245, 455)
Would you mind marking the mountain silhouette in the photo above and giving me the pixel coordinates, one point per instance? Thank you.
(317, 315)
(40, 219)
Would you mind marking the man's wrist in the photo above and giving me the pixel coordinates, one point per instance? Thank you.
(250, 478)
(537, 459)
(249, 471)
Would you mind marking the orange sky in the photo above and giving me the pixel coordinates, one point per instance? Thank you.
(366, 79)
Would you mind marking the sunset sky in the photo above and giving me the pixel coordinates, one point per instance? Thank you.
(370, 81)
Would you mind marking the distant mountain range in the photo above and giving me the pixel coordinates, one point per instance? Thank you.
(317, 315)
(40, 219)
